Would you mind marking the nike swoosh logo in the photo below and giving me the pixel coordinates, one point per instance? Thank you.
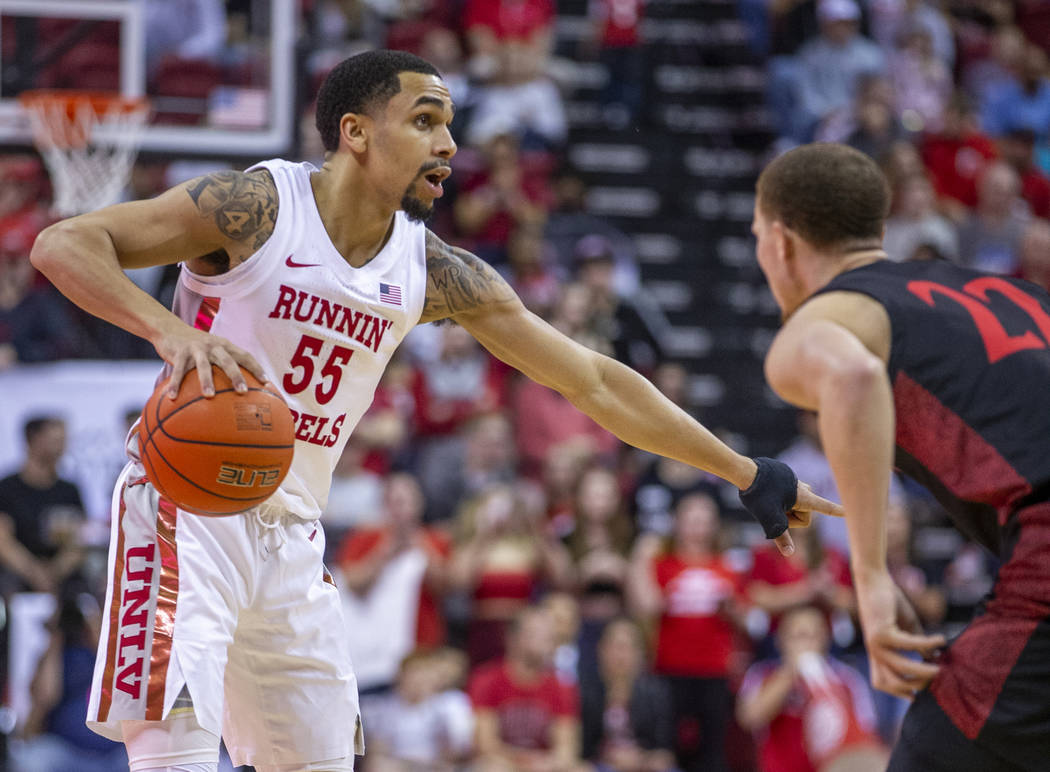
(292, 264)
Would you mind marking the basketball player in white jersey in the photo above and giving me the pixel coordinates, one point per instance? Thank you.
(309, 279)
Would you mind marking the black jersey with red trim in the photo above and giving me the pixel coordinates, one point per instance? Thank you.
(970, 369)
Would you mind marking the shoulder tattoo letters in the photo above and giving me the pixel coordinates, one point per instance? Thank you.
(459, 281)
(243, 205)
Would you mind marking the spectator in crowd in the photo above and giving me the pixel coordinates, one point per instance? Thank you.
(487, 457)
(616, 36)
(814, 574)
(633, 323)
(922, 82)
(689, 592)
(463, 382)
(533, 271)
(56, 738)
(41, 514)
(499, 198)
(564, 613)
(601, 580)
(985, 75)
(569, 221)
(356, 496)
(990, 238)
(35, 325)
(830, 65)
(873, 127)
(892, 18)
(386, 428)
(415, 727)
(1035, 253)
(187, 29)
(502, 559)
(563, 466)
(600, 519)
(791, 704)
(627, 717)
(1017, 148)
(1023, 102)
(914, 222)
(956, 156)
(509, 40)
(546, 419)
(527, 720)
(510, 43)
(901, 160)
(394, 577)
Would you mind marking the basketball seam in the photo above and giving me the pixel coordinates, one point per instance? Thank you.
(199, 487)
(160, 421)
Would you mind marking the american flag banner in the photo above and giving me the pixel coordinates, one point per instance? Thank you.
(390, 294)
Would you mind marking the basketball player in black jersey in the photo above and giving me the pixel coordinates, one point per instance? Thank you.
(945, 373)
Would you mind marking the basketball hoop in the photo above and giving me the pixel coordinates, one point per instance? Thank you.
(88, 141)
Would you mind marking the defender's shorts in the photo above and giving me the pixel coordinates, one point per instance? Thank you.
(238, 609)
(989, 707)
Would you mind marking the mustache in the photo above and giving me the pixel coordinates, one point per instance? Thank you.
(427, 168)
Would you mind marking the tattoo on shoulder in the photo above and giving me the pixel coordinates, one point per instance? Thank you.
(243, 204)
(459, 281)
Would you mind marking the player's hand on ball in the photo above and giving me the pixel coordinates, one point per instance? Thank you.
(187, 348)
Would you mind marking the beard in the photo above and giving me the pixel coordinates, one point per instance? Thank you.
(414, 208)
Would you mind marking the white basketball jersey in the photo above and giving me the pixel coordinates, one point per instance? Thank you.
(322, 330)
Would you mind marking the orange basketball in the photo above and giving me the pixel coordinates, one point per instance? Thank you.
(221, 455)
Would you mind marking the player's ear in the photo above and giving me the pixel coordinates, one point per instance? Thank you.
(353, 130)
(783, 242)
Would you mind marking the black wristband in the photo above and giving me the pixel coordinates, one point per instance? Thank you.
(771, 496)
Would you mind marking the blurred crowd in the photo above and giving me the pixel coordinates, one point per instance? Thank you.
(521, 590)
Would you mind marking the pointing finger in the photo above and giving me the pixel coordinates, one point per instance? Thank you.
(808, 501)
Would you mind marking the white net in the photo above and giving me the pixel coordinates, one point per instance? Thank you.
(89, 143)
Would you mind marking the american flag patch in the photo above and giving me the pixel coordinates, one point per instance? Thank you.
(390, 294)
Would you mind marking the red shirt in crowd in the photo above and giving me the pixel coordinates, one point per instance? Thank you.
(1035, 189)
(363, 542)
(509, 19)
(956, 164)
(782, 745)
(526, 712)
(439, 415)
(695, 637)
(619, 21)
(771, 567)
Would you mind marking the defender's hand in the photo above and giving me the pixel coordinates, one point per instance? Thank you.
(778, 501)
(187, 348)
(892, 671)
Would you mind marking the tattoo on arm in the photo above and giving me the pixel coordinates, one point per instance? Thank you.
(458, 281)
(243, 205)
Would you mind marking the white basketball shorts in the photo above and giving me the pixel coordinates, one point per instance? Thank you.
(238, 609)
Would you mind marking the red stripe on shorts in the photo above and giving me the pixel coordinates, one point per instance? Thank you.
(164, 619)
(106, 698)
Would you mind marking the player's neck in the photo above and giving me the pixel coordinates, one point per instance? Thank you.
(827, 269)
(357, 224)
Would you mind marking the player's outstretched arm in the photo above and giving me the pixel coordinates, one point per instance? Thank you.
(464, 288)
(830, 358)
(214, 222)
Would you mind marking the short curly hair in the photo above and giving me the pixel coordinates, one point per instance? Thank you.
(359, 84)
(830, 194)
